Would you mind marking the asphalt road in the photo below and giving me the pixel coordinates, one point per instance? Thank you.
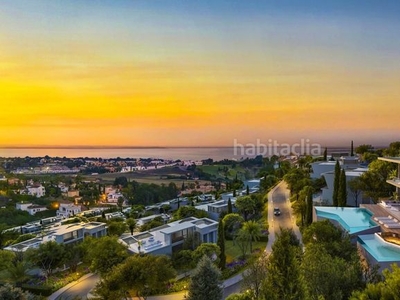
(235, 288)
(81, 289)
(280, 199)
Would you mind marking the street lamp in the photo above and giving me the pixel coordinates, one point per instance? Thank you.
(184, 296)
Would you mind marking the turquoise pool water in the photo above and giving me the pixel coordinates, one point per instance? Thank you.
(378, 249)
(353, 219)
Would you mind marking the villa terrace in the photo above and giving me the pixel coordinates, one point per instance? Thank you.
(385, 213)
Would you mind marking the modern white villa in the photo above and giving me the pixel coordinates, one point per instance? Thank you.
(352, 199)
(170, 237)
(374, 227)
(326, 169)
(62, 234)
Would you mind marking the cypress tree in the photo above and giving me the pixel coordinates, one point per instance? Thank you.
(234, 193)
(229, 206)
(342, 193)
(352, 149)
(247, 190)
(326, 154)
(336, 185)
(309, 206)
(221, 245)
(205, 282)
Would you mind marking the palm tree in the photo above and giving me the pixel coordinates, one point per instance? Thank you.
(131, 224)
(120, 202)
(253, 230)
(17, 272)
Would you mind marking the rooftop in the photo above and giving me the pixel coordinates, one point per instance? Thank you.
(177, 227)
(391, 159)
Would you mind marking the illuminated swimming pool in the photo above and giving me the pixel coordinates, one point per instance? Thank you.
(352, 219)
(379, 249)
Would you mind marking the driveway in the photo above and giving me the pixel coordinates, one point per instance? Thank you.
(81, 288)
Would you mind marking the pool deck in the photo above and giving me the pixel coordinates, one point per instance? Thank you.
(379, 211)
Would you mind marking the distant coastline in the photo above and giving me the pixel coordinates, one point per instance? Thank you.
(109, 147)
(142, 147)
(108, 152)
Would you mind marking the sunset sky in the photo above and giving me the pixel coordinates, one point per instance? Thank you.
(198, 73)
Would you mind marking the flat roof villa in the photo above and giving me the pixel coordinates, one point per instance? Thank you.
(375, 227)
(371, 227)
(327, 191)
(395, 181)
(63, 234)
(351, 219)
(168, 238)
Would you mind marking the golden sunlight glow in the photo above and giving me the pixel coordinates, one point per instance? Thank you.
(61, 88)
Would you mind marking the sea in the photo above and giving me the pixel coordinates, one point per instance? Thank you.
(167, 153)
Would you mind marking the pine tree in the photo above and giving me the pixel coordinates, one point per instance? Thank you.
(326, 154)
(205, 282)
(221, 245)
(342, 193)
(336, 185)
(230, 206)
(283, 279)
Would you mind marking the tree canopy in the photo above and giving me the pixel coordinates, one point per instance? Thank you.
(47, 256)
(104, 253)
(144, 274)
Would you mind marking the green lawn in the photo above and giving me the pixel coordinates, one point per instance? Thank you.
(217, 170)
(233, 252)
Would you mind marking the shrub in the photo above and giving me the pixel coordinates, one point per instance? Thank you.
(38, 289)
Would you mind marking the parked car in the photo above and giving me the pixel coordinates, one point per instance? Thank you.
(277, 211)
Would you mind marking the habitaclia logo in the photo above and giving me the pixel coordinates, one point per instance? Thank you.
(272, 147)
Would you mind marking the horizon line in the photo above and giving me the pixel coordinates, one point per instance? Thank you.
(133, 147)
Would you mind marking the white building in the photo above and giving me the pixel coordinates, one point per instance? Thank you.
(327, 192)
(63, 234)
(67, 210)
(30, 208)
(395, 181)
(319, 168)
(127, 169)
(169, 238)
(36, 190)
(148, 219)
(112, 197)
(63, 188)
